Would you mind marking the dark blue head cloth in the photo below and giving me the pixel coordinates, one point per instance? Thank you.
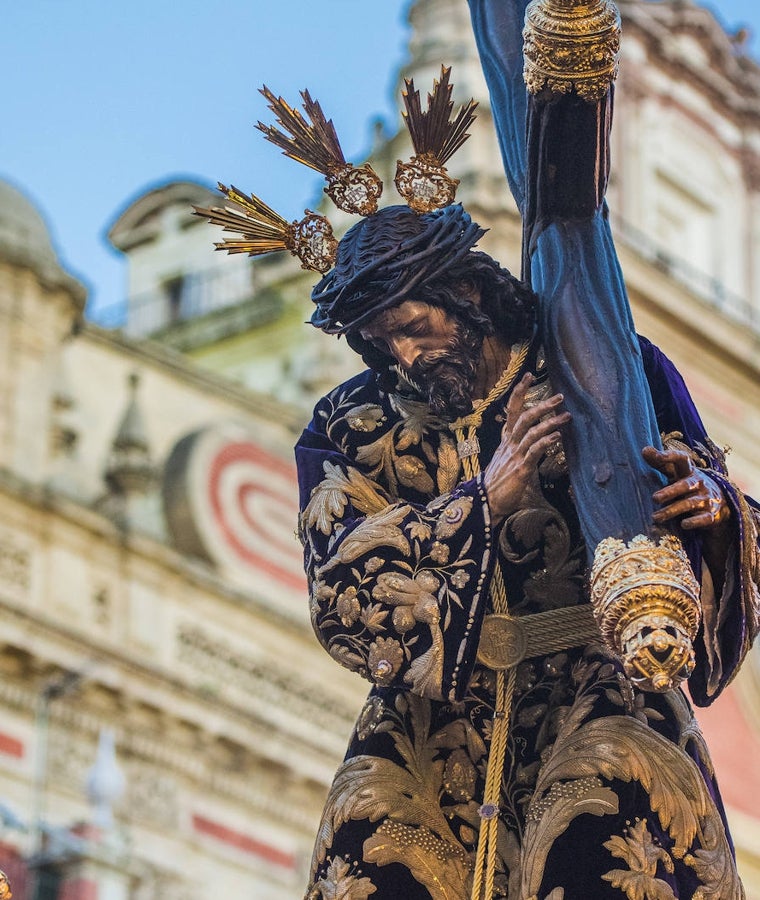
(385, 258)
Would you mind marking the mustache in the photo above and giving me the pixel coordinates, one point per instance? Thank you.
(436, 359)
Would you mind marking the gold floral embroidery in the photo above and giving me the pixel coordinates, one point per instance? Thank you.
(443, 868)
(415, 829)
(623, 748)
(413, 594)
(339, 883)
(329, 498)
(386, 458)
(383, 594)
(449, 465)
(366, 417)
(369, 718)
(378, 530)
(348, 606)
(459, 776)
(452, 517)
(642, 855)
(384, 660)
(714, 866)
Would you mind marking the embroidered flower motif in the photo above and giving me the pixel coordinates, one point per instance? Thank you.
(340, 883)
(439, 553)
(526, 677)
(459, 776)
(322, 591)
(373, 617)
(369, 718)
(412, 473)
(427, 581)
(414, 593)
(419, 530)
(555, 665)
(373, 564)
(403, 619)
(348, 606)
(451, 518)
(384, 659)
(366, 417)
(460, 578)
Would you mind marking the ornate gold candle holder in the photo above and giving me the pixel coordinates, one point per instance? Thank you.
(571, 46)
(646, 603)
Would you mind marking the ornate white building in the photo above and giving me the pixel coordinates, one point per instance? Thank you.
(150, 588)
(150, 582)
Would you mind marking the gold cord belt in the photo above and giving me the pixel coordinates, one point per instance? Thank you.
(505, 641)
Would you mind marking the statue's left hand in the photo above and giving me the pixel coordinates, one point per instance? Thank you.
(691, 496)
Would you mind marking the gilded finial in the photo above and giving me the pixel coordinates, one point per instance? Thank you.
(646, 603)
(5, 888)
(571, 46)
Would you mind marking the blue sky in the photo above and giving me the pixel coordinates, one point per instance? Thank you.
(102, 100)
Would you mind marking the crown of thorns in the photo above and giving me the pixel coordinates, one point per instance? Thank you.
(311, 139)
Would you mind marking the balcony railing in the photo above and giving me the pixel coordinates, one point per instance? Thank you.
(179, 299)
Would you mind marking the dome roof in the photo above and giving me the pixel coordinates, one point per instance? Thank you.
(22, 228)
(25, 239)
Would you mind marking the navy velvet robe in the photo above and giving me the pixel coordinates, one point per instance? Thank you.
(605, 788)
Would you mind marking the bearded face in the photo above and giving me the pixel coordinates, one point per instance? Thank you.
(448, 375)
(438, 349)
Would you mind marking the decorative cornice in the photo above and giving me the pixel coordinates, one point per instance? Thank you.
(251, 403)
(194, 572)
(733, 80)
(70, 718)
(276, 687)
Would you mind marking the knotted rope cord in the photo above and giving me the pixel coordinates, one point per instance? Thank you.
(485, 860)
(485, 863)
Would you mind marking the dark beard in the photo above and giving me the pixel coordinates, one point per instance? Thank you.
(448, 375)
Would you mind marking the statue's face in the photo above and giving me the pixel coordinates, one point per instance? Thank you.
(437, 349)
(411, 331)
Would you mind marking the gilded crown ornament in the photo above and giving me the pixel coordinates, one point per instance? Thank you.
(571, 45)
(5, 888)
(262, 230)
(311, 139)
(646, 603)
(424, 182)
(315, 144)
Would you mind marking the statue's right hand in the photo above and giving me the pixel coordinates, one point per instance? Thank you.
(525, 437)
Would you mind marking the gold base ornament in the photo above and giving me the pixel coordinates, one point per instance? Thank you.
(571, 45)
(646, 603)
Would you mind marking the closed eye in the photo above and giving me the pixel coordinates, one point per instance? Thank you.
(377, 342)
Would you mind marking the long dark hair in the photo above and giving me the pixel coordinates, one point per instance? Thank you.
(508, 307)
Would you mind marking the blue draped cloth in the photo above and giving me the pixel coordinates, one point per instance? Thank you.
(556, 158)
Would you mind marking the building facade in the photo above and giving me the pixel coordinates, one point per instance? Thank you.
(151, 590)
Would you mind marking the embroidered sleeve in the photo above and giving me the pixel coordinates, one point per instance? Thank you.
(734, 616)
(730, 619)
(397, 586)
